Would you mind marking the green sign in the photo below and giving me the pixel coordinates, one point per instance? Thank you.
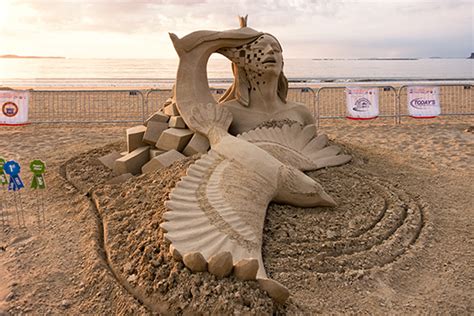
(3, 177)
(38, 168)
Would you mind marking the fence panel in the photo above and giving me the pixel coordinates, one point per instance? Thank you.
(61, 106)
(86, 106)
(457, 101)
(217, 93)
(155, 99)
(303, 95)
(331, 103)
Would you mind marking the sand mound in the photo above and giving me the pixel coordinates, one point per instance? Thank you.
(138, 254)
(373, 225)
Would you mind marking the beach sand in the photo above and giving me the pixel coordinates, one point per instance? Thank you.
(400, 241)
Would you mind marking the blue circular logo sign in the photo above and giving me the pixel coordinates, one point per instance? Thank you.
(9, 109)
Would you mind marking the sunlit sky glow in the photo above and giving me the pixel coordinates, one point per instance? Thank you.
(306, 29)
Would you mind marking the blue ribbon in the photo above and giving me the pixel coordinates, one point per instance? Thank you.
(15, 183)
(12, 168)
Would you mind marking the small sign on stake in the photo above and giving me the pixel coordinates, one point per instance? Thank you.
(3, 177)
(3, 200)
(38, 168)
(12, 168)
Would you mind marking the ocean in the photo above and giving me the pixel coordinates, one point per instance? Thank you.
(160, 73)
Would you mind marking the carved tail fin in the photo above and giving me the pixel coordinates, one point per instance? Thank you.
(211, 120)
(176, 43)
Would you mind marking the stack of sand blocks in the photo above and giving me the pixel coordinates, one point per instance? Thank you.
(163, 139)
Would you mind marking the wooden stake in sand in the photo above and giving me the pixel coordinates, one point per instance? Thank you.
(38, 168)
(3, 196)
(12, 168)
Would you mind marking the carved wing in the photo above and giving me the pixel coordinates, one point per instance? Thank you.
(297, 146)
(218, 206)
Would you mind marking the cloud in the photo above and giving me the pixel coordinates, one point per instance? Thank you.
(126, 16)
(304, 27)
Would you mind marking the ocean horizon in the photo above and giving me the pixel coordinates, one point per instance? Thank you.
(160, 73)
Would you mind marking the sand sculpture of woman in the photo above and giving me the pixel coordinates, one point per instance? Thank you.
(258, 93)
(218, 209)
(260, 88)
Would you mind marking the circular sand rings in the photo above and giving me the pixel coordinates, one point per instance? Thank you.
(374, 223)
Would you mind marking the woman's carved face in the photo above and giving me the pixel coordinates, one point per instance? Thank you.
(261, 59)
(264, 57)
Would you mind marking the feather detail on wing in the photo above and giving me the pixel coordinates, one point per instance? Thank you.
(297, 146)
(218, 206)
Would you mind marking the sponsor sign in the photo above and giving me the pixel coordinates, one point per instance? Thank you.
(362, 103)
(13, 107)
(423, 102)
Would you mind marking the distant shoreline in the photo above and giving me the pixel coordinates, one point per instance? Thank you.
(149, 84)
(375, 58)
(31, 57)
(389, 58)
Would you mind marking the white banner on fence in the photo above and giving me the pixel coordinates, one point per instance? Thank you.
(13, 107)
(362, 103)
(423, 101)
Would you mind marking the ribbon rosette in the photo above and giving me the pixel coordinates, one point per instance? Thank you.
(3, 177)
(12, 168)
(38, 168)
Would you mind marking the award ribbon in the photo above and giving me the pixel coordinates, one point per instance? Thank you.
(12, 168)
(3, 177)
(38, 168)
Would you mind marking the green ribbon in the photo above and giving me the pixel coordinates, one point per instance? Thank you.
(3, 177)
(38, 168)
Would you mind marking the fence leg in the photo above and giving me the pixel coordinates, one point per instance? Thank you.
(398, 111)
(316, 110)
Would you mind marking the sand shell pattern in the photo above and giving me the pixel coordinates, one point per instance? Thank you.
(297, 146)
(212, 211)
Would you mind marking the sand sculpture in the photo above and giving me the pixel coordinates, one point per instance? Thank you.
(260, 87)
(216, 212)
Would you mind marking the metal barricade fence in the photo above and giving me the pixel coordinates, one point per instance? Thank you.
(157, 97)
(303, 95)
(86, 106)
(217, 93)
(109, 106)
(455, 99)
(331, 103)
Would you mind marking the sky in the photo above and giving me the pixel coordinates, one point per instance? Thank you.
(306, 29)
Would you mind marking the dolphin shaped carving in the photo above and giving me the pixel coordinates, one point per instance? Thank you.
(194, 50)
